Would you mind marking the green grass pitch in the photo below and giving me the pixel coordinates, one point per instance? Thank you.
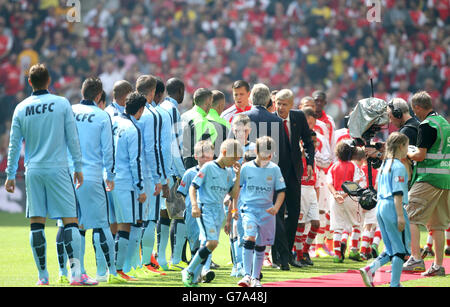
(17, 268)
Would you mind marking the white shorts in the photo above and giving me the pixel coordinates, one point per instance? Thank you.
(369, 216)
(324, 193)
(309, 206)
(344, 216)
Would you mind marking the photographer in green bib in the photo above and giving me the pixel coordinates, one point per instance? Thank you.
(429, 196)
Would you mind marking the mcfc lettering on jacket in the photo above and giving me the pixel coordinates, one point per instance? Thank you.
(39, 109)
(84, 117)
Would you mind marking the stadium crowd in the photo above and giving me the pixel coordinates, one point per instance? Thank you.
(325, 50)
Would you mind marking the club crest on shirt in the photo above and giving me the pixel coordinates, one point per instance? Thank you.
(269, 178)
(399, 179)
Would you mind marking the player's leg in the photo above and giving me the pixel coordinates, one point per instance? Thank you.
(163, 229)
(208, 234)
(61, 254)
(179, 240)
(39, 247)
(315, 225)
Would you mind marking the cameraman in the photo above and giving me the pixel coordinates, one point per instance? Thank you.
(429, 196)
(399, 116)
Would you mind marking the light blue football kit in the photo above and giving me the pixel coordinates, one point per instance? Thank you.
(397, 244)
(95, 133)
(96, 141)
(175, 169)
(46, 123)
(129, 182)
(192, 230)
(258, 188)
(114, 109)
(213, 183)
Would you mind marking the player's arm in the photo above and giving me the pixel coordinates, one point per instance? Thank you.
(280, 188)
(151, 143)
(234, 193)
(193, 196)
(107, 144)
(166, 150)
(134, 152)
(177, 144)
(15, 143)
(278, 202)
(73, 144)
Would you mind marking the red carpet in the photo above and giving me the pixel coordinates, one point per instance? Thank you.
(351, 278)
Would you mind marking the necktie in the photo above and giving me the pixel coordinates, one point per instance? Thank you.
(286, 129)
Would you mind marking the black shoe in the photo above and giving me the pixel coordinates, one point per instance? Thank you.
(343, 249)
(208, 277)
(260, 275)
(296, 263)
(306, 259)
(285, 267)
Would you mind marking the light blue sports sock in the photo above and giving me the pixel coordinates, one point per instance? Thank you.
(164, 233)
(136, 258)
(207, 263)
(61, 252)
(199, 257)
(39, 248)
(82, 251)
(99, 255)
(148, 241)
(72, 243)
(258, 259)
(238, 251)
(122, 248)
(397, 267)
(381, 260)
(247, 259)
(180, 238)
(133, 246)
(103, 242)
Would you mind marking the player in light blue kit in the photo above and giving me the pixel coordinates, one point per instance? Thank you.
(96, 141)
(241, 128)
(175, 95)
(46, 123)
(391, 214)
(260, 181)
(213, 182)
(120, 91)
(155, 159)
(129, 182)
(203, 153)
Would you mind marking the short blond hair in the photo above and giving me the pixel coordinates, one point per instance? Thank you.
(203, 146)
(265, 146)
(232, 148)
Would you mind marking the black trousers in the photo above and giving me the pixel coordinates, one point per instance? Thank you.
(287, 227)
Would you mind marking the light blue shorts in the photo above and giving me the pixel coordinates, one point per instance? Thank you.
(93, 205)
(111, 213)
(395, 242)
(210, 222)
(192, 230)
(260, 224)
(126, 206)
(50, 193)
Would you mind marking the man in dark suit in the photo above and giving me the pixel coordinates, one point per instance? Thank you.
(288, 157)
(296, 129)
